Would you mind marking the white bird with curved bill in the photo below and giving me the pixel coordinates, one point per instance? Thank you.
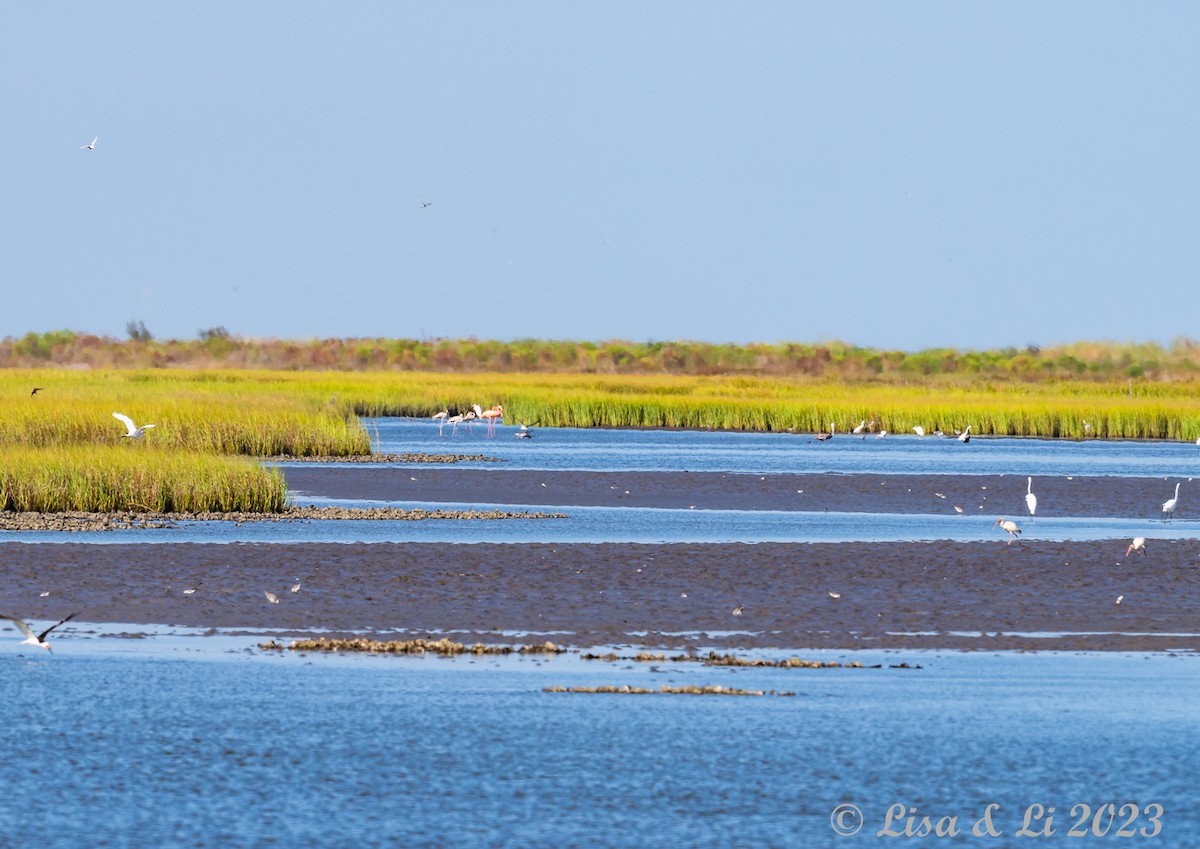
(1030, 498)
(1138, 545)
(32, 639)
(965, 436)
(132, 431)
(1170, 504)
(1009, 525)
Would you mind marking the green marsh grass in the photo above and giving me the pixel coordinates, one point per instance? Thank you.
(139, 478)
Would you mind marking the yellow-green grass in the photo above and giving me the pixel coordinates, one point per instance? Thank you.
(136, 477)
(315, 413)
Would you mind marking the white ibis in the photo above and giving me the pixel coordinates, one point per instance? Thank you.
(1008, 525)
(132, 431)
(1138, 545)
(271, 597)
(32, 639)
(440, 418)
(1170, 504)
(965, 436)
(90, 145)
(1030, 498)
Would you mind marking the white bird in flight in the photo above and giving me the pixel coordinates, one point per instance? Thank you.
(1030, 498)
(33, 639)
(133, 431)
(91, 146)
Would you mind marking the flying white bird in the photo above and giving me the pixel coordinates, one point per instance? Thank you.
(918, 430)
(1138, 545)
(91, 145)
(33, 639)
(1170, 504)
(965, 436)
(134, 432)
(1010, 526)
(1030, 498)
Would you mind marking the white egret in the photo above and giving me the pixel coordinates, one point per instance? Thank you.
(1030, 498)
(965, 436)
(133, 431)
(918, 430)
(1170, 504)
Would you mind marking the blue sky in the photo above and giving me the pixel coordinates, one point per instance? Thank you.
(901, 175)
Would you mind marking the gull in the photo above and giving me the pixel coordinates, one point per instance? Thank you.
(425, 203)
(524, 432)
(1138, 545)
(1010, 526)
(33, 639)
(91, 145)
(1170, 504)
(1120, 598)
(271, 597)
(1030, 498)
(134, 432)
(965, 436)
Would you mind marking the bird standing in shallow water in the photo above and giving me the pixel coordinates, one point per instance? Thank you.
(1008, 525)
(1030, 498)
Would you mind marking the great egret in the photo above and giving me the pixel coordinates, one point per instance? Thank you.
(133, 431)
(965, 436)
(1030, 498)
(918, 430)
(32, 639)
(1008, 525)
(1170, 504)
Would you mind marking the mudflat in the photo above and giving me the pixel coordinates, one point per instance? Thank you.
(982, 595)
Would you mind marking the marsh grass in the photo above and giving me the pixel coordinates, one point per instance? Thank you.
(141, 477)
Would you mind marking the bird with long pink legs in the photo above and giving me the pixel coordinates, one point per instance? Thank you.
(1009, 525)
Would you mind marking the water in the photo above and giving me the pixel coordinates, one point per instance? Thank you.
(583, 449)
(635, 450)
(188, 740)
(165, 742)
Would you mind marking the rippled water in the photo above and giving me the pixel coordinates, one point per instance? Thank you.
(166, 742)
(584, 449)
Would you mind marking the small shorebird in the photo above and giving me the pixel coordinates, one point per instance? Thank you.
(33, 639)
(965, 436)
(271, 597)
(1138, 545)
(1170, 504)
(133, 431)
(1008, 525)
(524, 432)
(91, 145)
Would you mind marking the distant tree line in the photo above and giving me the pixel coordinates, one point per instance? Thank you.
(217, 347)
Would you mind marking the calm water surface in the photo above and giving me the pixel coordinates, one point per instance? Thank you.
(157, 742)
